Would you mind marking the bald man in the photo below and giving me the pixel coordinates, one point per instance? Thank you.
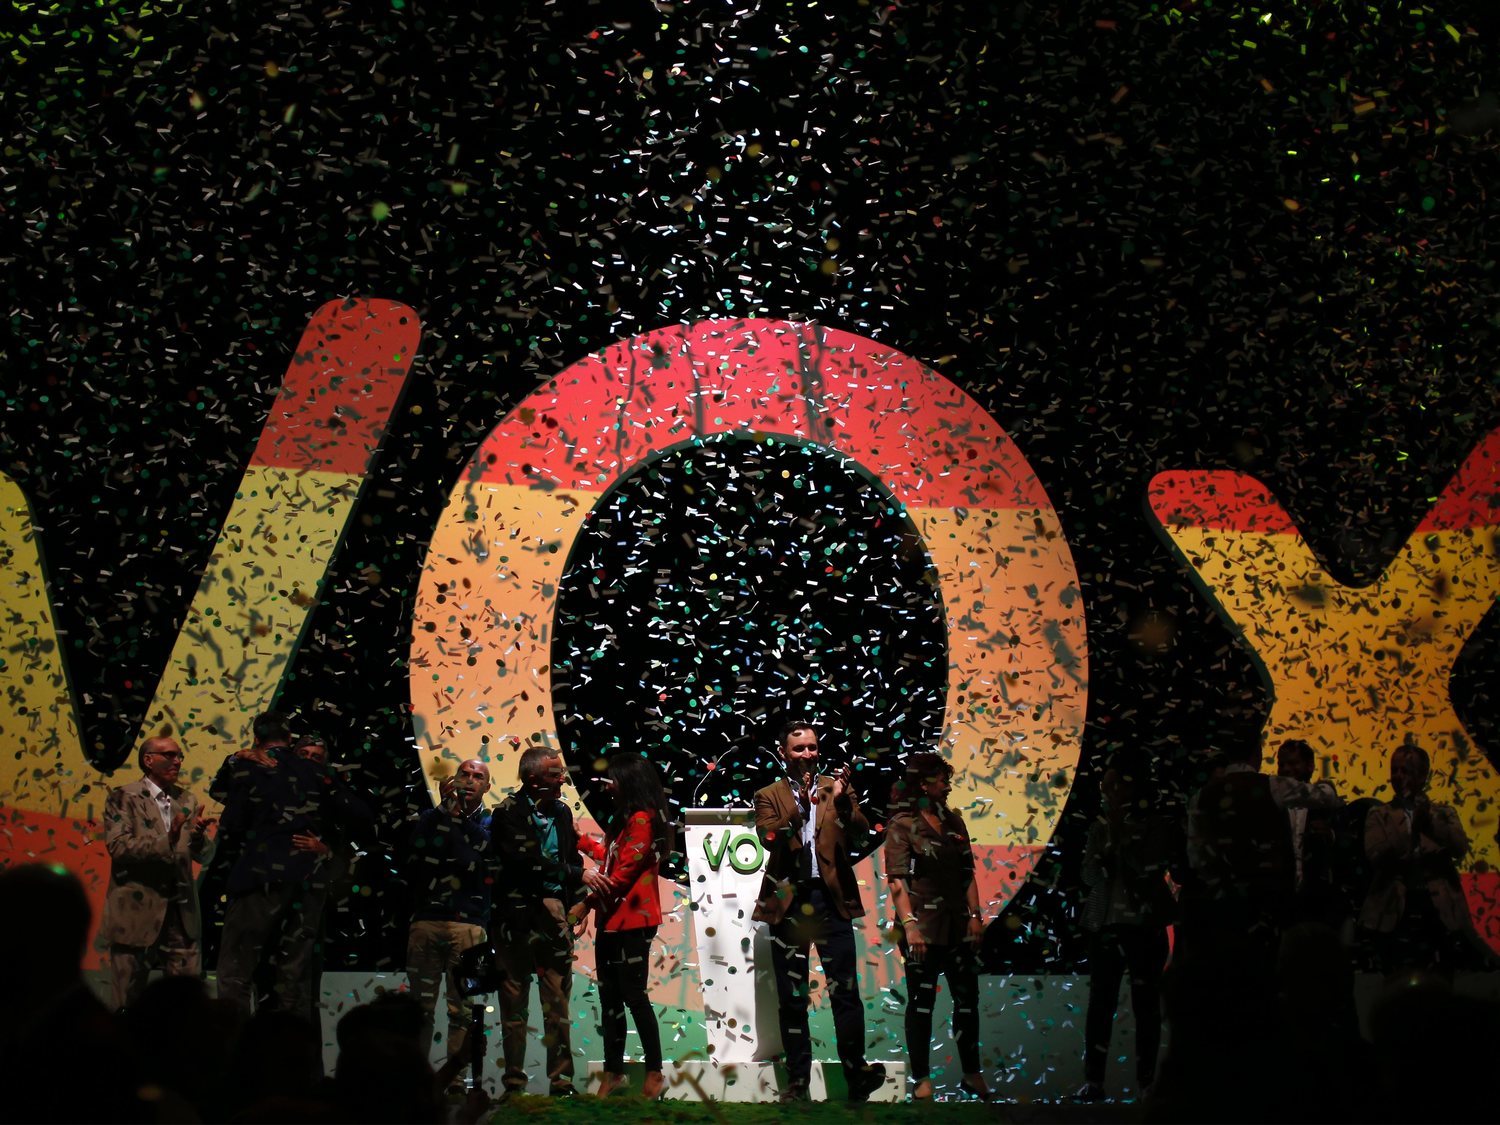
(446, 871)
(154, 833)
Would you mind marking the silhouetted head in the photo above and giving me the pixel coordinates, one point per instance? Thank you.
(271, 729)
(311, 748)
(1295, 759)
(395, 1014)
(1410, 766)
(46, 928)
(1247, 753)
(1127, 783)
(383, 1073)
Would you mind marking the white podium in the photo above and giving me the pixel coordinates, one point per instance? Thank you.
(725, 863)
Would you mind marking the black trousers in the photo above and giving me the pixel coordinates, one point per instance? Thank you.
(960, 963)
(289, 915)
(812, 919)
(623, 962)
(1143, 951)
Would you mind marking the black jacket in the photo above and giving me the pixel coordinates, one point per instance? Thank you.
(520, 872)
(447, 869)
(264, 807)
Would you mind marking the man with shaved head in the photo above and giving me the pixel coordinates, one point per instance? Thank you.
(446, 869)
(154, 833)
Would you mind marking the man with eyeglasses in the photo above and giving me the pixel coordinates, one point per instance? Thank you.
(154, 833)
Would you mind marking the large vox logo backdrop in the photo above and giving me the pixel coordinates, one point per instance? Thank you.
(1015, 684)
(1025, 380)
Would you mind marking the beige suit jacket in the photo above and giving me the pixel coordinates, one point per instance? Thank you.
(839, 826)
(1392, 851)
(146, 871)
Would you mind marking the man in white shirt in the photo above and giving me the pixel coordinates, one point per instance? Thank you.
(809, 896)
(1290, 791)
(1295, 791)
(154, 833)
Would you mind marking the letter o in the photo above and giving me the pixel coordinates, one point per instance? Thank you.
(1018, 659)
(744, 867)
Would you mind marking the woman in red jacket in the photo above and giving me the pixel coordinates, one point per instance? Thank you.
(626, 897)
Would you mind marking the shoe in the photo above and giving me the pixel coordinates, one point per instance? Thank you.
(510, 1093)
(654, 1085)
(982, 1093)
(795, 1091)
(610, 1083)
(563, 1092)
(917, 1094)
(1089, 1092)
(865, 1081)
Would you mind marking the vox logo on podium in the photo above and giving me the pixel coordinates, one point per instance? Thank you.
(734, 846)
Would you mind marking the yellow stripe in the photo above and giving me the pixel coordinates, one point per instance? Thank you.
(248, 615)
(43, 768)
(1013, 725)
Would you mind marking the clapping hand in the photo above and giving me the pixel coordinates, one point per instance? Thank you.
(309, 842)
(841, 784)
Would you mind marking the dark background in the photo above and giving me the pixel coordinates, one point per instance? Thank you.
(1144, 237)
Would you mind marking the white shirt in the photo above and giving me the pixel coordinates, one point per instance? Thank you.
(809, 828)
(1290, 796)
(1298, 817)
(163, 801)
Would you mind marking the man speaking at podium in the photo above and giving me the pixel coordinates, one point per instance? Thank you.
(808, 822)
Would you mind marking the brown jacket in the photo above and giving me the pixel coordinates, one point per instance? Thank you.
(937, 868)
(1396, 858)
(840, 825)
(146, 871)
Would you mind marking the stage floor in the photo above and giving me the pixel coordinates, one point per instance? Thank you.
(1031, 1035)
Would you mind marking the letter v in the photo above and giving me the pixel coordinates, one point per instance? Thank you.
(253, 602)
(715, 857)
(1358, 670)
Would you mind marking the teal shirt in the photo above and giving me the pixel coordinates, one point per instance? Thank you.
(546, 834)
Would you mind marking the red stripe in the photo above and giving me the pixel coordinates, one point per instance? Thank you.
(1482, 889)
(1472, 498)
(1217, 500)
(34, 837)
(930, 443)
(1220, 500)
(340, 388)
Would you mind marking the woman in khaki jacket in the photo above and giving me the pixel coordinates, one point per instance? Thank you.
(929, 864)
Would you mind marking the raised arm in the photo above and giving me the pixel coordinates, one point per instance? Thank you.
(1387, 837)
(771, 823)
(1444, 833)
(852, 817)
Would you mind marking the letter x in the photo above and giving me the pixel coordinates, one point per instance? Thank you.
(1356, 670)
